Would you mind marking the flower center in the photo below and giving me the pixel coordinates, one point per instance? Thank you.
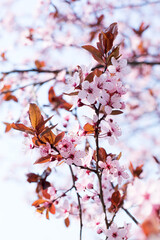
(118, 69)
(100, 85)
(114, 235)
(71, 156)
(90, 90)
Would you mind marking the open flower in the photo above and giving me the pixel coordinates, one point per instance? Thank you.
(115, 233)
(118, 67)
(89, 91)
(46, 150)
(120, 173)
(73, 82)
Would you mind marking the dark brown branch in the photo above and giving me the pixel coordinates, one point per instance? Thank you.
(27, 85)
(86, 168)
(63, 194)
(132, 63)
(99, 175)
(79, 202)
(135, 63)
(33, 70)
(128, 6)
(130, 215)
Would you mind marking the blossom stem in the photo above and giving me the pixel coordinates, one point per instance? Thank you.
(130, 215)
(99, 175)
(79, 202)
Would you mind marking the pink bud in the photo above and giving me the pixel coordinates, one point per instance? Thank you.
(99, 231)
(90, 186)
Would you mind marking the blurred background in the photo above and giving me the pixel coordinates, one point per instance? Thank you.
(36, 39)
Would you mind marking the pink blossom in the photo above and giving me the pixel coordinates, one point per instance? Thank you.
(120, 88)
(114, 128)
(46, 150)
(100, 83)
(104, 99)
(89, 91)
(107, 197)
(65, 147)
(75, 157)
(108, 165)
(118, 67)
(115, 233)
(73, 82)
(110, 102)
(64, 209)
(111, 131)
(120, 173)
(115, 101)
(52, 192)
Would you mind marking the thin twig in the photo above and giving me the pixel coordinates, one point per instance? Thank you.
(127, 6)
(135, 63)
(63, 194)
(130, 215)
(79, 202)
(86, 168)
(27, 85)
(99, 175)
(33, 70)
(132, 63)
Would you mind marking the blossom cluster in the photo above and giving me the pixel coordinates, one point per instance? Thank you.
(105, 89)
(98, 183)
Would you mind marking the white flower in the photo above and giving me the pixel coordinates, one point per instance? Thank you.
(120, 173)
(115, 233)
(89, 91)
(73, 82)
(118, 67)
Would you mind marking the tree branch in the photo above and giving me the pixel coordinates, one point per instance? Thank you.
(27, 85)
(86, 168)
(135, 63)
(63, 194)
(127, 6)
(33, 70)
(130, 215)
(79, 202)
(99, 175)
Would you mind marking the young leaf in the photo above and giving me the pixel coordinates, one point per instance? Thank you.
(52, 209)
(45, 193)
(102, 154)
(38, 202)
(88, 128)
(119, 156)
(47, 214)
(67, 222)
(43, 159)
(39, 64)
(40, 126)
(136, 172)
(35, 115)
(96, 54)
(23, 128)
(32, 177)
(49, 137)
(8, 126)
(116, 198)
(116, 112)
(46, 131)
(59, 137)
